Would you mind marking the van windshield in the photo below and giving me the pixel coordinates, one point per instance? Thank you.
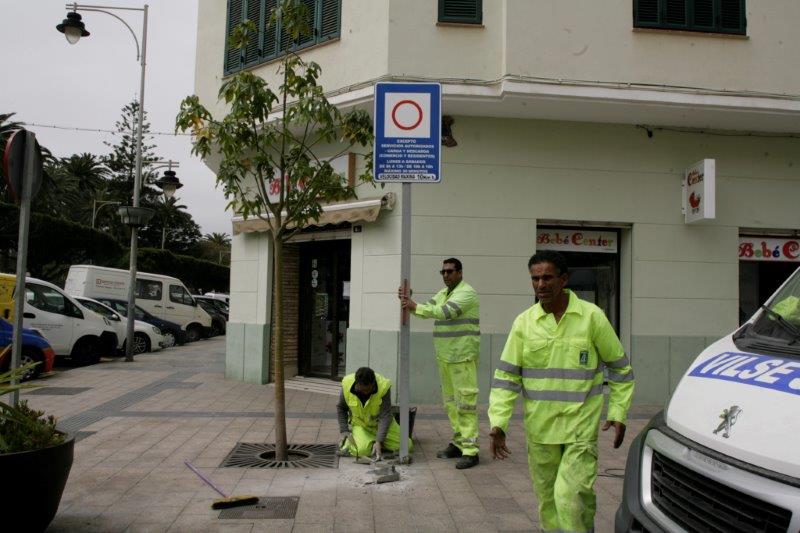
(776, 329)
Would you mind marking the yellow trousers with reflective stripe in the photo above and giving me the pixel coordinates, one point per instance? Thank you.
(364, 438)
(460, 396)
(563, 479)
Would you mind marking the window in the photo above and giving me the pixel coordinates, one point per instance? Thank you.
(270, 42)
(148, 289)
(179, 295)
(100, 309)
(711, 16)
(50, 300)
(461, 11)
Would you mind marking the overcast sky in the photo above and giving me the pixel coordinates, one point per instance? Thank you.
(45, 80)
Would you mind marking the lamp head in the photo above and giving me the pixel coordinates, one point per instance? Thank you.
(73, 27)
(169, 183)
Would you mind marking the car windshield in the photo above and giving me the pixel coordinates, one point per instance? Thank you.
(776, 328)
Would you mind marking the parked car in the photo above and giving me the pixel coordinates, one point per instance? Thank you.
(146, 337)
(162, 296)
(35, 348)
(218, 320)
(173, 334)
(219, 305)
(219, 296)
(72, 330)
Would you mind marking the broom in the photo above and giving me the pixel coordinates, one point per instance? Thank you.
(227, 501)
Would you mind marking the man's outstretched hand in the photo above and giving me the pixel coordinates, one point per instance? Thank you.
(497, 444)
(619, 429)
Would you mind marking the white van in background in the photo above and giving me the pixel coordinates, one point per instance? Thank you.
(163, 296)
(70, 328)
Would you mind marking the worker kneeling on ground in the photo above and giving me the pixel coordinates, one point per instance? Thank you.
(365, 415)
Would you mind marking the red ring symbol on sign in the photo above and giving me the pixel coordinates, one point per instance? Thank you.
(394, 114)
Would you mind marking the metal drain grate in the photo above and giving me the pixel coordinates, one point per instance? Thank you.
(59, 391)
(273, 507)
(261, 455)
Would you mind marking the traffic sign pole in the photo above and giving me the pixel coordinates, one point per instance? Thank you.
(403, 373)
(408, 131)
(30, 170)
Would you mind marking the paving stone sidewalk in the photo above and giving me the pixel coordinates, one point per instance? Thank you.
(137, 422)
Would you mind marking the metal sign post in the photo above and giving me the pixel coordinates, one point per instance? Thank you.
(23, 171)
(408, 132)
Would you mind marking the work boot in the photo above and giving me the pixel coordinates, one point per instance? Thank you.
(467, 461)
(450, 452)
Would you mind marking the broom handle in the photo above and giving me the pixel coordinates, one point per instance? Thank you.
(204, 478)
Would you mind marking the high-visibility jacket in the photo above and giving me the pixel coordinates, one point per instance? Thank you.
(366, 414)
(788, 308)
(456, 329)
(558, 368)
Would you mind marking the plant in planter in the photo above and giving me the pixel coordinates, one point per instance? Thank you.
(35, 458)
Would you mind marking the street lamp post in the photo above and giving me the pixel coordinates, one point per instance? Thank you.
(73, 29)
(97, 206)
(168, 185)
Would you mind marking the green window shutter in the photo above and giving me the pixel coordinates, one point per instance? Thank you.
(330, 19)
(732, 17)
(311, 19)
(269, 30)
(252, 52)
(675, 13)
(703, 15)
(646, 13)
(233, 60)
(463, 11)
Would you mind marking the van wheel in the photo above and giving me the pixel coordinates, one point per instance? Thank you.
(31, 356)
(85, 352)
(193, 333)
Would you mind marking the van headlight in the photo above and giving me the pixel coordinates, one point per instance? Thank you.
(156, 330)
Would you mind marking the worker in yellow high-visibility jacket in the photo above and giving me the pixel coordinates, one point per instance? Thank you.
(364, 411)
(456, 340)
(555, 355)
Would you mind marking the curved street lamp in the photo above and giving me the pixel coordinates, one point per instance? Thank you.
(73, 29)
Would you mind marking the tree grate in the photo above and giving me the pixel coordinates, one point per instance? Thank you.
(272, 507)
(262, 455)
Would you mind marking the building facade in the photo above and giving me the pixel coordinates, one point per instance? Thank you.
(576, 125)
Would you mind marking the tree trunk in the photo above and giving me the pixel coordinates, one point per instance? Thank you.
(163, 234)
(277, 332)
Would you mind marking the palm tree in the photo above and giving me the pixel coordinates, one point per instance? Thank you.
(219, 243)
(78, 182)
(168, 211)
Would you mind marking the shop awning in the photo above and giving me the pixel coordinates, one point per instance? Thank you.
(366, 210)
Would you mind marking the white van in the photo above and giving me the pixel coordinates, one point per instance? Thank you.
(725, 455)
(70, 328)
(163, 296)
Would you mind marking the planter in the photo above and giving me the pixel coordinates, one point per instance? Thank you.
(32, 484)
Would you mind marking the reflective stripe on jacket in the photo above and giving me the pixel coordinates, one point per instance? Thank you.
(366, 414)
(558, 368)
(456, 329)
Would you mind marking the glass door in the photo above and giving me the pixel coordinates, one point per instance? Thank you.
(324, 307)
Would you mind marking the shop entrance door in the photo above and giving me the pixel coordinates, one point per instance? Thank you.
(764, 264)
(324, 308)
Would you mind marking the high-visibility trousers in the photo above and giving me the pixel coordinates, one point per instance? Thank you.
(364, 438)
(563, 479)
(460, 395)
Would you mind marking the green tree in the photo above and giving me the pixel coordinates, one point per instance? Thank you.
(217, 247)
(76, 183)
(268, 165)
(171, 227)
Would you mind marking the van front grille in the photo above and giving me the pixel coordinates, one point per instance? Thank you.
(698, 503)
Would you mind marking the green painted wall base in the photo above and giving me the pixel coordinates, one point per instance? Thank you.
(246, 352)
(658, 362)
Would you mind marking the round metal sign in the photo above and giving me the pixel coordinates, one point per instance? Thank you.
(14, 170)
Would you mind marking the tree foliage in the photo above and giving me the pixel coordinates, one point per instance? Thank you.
(269, 145)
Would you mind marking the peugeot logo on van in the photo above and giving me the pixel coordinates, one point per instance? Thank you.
(729, 417)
